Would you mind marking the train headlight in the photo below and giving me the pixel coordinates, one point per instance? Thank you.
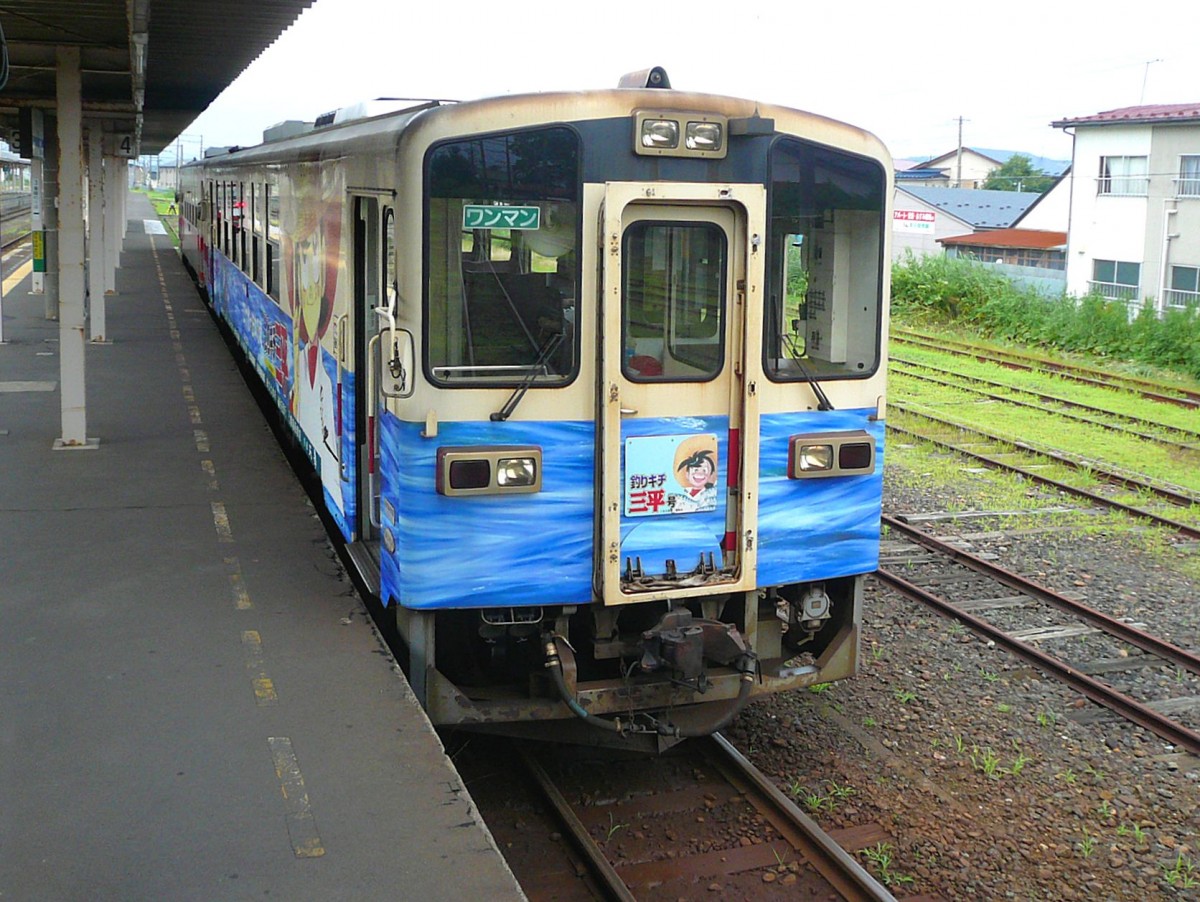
(516, 471)
(811, 458)
(849, 453)
(703, 136)
(667, 133)
(489, 470)
(660, 133)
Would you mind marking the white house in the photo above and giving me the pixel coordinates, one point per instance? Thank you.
(1135, 205)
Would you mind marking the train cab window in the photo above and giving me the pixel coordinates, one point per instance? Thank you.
(502, 268)
(673, 301)
(824, 269)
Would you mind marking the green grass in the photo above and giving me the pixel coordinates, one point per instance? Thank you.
(162, 201)
(969, 295)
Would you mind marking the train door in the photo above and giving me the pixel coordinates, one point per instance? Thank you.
(680, 363)
(372, 220)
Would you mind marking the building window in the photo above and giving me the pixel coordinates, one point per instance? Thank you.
(1123, 176)
(1115, 279)
(1189, 176)
(1185, 287)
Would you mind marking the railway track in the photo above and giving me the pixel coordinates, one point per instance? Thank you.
(1177, 395)
(698, 819)
(1044, 627)
(995, 456)
(1183, 440)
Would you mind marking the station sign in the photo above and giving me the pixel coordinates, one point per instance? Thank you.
(39, 251)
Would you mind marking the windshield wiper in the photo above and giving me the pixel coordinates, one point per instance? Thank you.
(514, 399)
(822, 399)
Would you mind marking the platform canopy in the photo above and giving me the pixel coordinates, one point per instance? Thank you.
(149, 67)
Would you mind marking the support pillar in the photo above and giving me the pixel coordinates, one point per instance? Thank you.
(115, 189)
(50, 217)
(37, 186)
(97, 257)
(71, 302)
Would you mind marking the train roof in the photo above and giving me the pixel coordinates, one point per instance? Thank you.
(383, 130)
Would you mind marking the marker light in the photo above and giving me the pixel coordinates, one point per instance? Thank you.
(489, 470)
(849, 453)
(703, 136)
(660, 133)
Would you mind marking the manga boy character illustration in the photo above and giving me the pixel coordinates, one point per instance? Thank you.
(696, 473)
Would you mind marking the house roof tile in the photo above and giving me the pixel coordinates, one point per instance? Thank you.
(1137, 115)
(1025, 238)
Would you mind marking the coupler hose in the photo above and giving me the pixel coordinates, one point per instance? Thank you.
(554, 665)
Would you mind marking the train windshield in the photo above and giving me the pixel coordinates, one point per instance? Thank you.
(824, 282)
(502, 269)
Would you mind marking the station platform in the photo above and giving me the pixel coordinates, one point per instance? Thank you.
(194, 703)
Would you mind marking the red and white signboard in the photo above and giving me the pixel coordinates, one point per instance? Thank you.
(913, 220)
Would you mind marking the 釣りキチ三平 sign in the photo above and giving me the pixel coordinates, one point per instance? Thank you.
(670, 474)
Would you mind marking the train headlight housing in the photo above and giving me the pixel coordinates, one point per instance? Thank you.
(660, 133)
(489, 470)
(850, 453)
(704, 136)
(667, 133)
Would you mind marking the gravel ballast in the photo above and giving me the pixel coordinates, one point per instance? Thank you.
(995, 781)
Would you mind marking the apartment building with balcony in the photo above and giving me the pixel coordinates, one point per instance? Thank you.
(1134, 229)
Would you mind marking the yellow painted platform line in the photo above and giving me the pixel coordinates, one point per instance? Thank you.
(18, 275)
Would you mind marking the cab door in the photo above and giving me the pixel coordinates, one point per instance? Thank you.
(680, 348)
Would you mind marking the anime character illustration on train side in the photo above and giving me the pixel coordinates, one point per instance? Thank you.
(311, 265)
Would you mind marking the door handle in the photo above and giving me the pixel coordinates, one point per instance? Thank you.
(628, 411)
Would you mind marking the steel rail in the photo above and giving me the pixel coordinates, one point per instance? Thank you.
(829, 859)
(1144, 388)
(1131, 710)
(1153, 645)
(597, 861)
(1192, 532)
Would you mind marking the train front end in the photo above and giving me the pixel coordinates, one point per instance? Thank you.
(629, 396)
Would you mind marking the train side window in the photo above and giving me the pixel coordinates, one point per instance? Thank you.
(502, 272)
(256, 200)
(241, 222)
(824, 266)
(390, 276)
(272, 214)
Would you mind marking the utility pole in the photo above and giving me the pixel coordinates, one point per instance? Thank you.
(958, 172)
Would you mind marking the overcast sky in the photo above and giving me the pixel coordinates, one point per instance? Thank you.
(905, 72)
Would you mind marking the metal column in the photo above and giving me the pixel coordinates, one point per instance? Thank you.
(71, 306)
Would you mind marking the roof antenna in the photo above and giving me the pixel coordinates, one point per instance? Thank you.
(646, 78)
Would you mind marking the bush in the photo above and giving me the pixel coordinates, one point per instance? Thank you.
(950, 290)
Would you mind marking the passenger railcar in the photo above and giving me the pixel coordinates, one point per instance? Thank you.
(594, 384)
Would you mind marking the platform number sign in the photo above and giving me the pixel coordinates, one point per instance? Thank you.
(120, 145)
(487, 216)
